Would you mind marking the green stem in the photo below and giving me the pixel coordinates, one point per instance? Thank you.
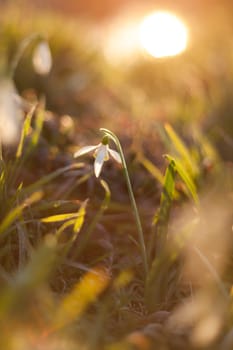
(131, 195)
(19, 53)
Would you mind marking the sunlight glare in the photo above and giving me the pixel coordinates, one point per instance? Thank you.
(163, 34)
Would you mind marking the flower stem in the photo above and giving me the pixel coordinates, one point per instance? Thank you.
(22, 48)
(132, 198)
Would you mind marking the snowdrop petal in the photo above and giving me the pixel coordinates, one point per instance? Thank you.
(101, 156)
(115, 155)
(84, 150)
(10, 114)
(42, 59)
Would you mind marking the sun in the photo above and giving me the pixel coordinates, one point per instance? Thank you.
(163, 34)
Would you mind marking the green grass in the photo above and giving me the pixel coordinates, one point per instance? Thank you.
(72, 270)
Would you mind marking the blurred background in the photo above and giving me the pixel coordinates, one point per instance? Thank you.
(102, 67)
(159, 74)
(99, 10)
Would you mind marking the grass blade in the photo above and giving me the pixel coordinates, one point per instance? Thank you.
(48, 178)
(181, 149)
(83, 294)
(161, 219)
(25, 132)
(95, 220)
(60, 217)
(185, 177)
(158, 273)
(17, 211)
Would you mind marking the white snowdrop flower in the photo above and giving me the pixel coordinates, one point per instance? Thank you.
(102, 151)
(42, 59)
(10, 113)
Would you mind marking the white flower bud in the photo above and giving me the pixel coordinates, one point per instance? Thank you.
(42, 59)
(10, 113)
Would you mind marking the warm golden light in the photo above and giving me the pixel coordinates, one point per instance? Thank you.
(163, 34)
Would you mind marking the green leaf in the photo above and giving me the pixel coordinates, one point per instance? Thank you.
(185, 177)
(107, 197)
(181, 149)
(25, 131)
(158, 273)
(17, 211)
(39, 121)
(72, 219)
(64, 226)
(60, 217)
(161, 219)
(80, 219)
(96, 218)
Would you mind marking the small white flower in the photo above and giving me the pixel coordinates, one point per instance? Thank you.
(42, 59)
(101, 154)
(10, 113)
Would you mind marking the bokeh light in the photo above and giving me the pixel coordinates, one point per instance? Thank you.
(163, 34)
